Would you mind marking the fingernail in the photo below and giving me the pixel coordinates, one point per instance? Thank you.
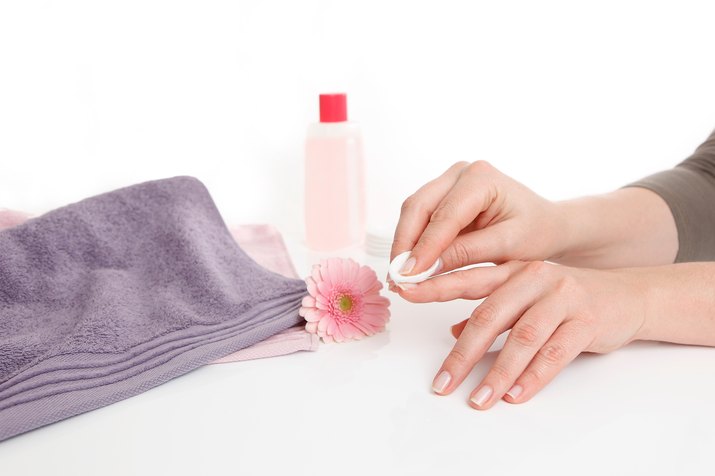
(515, 391)
(440, 383)
(481, 397)
(407, 267)
(406, 286)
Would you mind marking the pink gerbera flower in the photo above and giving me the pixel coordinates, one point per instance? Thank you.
(344, 301)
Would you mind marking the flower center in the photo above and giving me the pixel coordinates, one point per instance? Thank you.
(345, 303)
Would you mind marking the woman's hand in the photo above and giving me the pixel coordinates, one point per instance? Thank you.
(474, 214)
(471, 214)
(554, 313)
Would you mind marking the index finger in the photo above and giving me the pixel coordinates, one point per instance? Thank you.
(495, 315)
(471, 195)
(418, 208)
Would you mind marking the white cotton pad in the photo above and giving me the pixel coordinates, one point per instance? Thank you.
(400, 260)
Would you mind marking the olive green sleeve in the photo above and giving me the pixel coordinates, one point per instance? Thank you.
(689, 191)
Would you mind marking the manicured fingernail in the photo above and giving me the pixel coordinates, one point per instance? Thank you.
(515, 391)
(481, 397)
(407, 267)
(440, 383)
(406, 286)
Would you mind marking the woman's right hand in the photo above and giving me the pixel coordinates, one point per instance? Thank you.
(471, 214)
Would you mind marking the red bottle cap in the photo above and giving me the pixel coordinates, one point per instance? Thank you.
(333, 107)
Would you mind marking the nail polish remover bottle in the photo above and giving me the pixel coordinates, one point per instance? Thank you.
(334, 179)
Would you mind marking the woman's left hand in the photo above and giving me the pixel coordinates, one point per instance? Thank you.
(554, 313)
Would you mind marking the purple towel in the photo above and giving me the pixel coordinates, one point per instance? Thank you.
(108, 297)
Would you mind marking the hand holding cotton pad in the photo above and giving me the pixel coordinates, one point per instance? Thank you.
(400, 260)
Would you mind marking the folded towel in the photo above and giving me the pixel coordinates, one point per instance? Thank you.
(264, 244)
(108, 297)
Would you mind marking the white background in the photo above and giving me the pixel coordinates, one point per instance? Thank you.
(570, 98)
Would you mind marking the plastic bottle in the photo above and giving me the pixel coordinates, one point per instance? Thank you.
(334, 179)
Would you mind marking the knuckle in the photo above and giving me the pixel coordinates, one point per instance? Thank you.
(553, 354)
(537, 268)
(459, 165)
(524, 334)
(480, 167)
(459, 252)
(534, 377)
(410, 203)
(446, 211)
(484, 316)
(566, 285)
(427, 241)
(460, 280)
(440, 294)
(456, 356)
(500, 372)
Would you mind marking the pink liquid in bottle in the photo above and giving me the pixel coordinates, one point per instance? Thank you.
(334, 179)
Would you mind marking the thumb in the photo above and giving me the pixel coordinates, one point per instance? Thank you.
(488, 245)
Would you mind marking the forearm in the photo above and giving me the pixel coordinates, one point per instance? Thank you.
(679, 304)
(664, 218)
(628, 227)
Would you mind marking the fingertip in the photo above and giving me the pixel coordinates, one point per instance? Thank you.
(482, 398)
(441, 382)
(418, 266)
(514, 395)
(421, 264)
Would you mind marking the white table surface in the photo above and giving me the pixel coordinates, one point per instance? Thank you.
(366, 408)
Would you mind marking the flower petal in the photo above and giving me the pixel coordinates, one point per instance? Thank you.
(376, 299)
(324, 322)
(337, 335)
(312, 315)
(334, 277)
(325, 288)
(315, 273)
(312, 286)
(354, 271)
(375, 318)
(366, 282)
(322, 303)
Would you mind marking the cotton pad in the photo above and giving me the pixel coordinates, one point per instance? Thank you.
(399, 261)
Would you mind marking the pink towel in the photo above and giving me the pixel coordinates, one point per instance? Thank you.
(265, 245)
(10, 218)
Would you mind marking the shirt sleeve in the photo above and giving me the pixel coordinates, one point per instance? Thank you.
(689, 191)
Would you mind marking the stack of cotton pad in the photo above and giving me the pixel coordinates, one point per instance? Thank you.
(399, 261)
(378, 244)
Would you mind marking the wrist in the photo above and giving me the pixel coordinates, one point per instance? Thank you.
(678, 303)
(646, 295)
(568, 239)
